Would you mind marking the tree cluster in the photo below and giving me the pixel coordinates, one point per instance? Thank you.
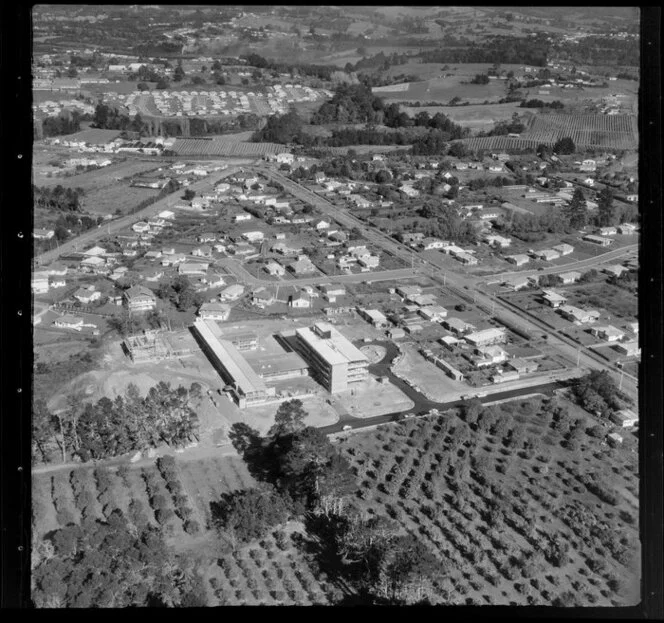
(58, 198)
(535, 103)
(180, 293)
(596, 391)
(108, 564)
(107, 428)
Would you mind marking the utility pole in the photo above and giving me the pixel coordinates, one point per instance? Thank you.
(578, 356)
(622, 374)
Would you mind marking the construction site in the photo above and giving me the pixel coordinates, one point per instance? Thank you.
(158, 345)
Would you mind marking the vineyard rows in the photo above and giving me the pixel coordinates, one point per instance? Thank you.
(223, 147)
(609, 132)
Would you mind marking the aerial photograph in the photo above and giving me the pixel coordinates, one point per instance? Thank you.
(335, 305)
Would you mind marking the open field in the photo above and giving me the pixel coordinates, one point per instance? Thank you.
(444, 89)
(477, 117)
(511, 525)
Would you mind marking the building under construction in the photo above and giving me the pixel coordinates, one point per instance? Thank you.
(158, 345)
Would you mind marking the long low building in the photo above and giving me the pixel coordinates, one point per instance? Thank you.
(248, 387)
(335, 362)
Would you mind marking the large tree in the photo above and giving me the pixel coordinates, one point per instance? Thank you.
(289, 418)
(605, 207)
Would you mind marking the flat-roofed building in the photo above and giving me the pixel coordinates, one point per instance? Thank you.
(280, 366)
(244, 341)
(335, 362)
(248, 387)
(486, 337)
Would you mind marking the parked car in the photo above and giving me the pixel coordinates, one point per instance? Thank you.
(347, 427)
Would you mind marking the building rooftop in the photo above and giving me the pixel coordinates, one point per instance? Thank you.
(246, 380)
(331, 344)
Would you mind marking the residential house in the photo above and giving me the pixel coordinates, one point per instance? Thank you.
(369, 261)
(69, 322)
(299, 300)
(153, 275)
(629, 349)
(57, 282)
(202, 251)
(139, 299)
(486, 337)
(518, 259)
(489, 355)
(570, 277)
(578, 315)
(43, 234)
(433, 243)
(408, 291)
(412, 239)
(465, 258)
(193, 268)
(321, 224)
(498, 241)
(263, 297)
(243, 216)
(232, 293)
(625, 418)
(253, 236)
(522, 366)
(457, 326)
(207, 237)
(302, 266)
(553, 299)
(564, 249)
(173, 260)
(40, 283)
(87, 295)
(603, 242)
(274, 268)
(433, 313)
(627, 229)
(608, 333)
(615, 270)
(141, 227)
(214, 311)
(373, 317)
(547, 255)
(607, 231)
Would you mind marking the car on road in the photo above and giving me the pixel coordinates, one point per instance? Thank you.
(347, 427)
(407, 416)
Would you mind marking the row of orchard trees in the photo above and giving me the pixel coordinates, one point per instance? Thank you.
(304, 477)
(108, 428)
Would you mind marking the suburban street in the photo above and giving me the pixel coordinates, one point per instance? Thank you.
(458, 283)
(118, 224)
